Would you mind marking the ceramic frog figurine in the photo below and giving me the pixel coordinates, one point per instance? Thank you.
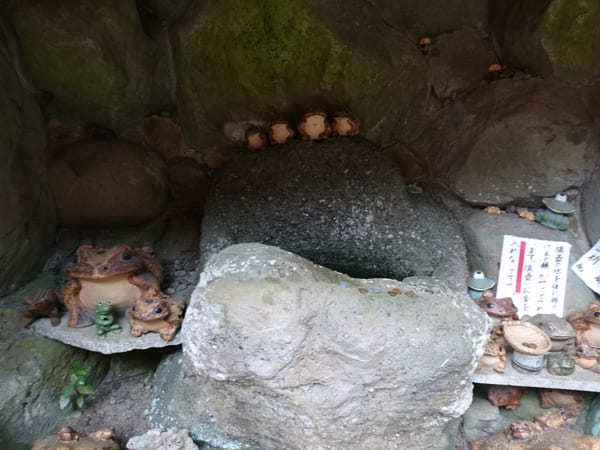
(155, 312)
(105, 320)
(120, 275)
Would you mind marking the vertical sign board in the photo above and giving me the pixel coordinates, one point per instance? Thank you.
(588, 268)
(534, 274)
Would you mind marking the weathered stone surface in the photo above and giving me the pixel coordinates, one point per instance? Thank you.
(462, 62)
(240, 60)
(286, 354)
(558, 37)
(513, 141)
(166, 440)
(434, 16)
(340, 203)
(188, 183)
(26, 206)
(484, 235)
(113, 342)
(590, 206)
(107, 183)
(481, 420)
(92, 57)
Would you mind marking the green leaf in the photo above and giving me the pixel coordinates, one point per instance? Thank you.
(73, 378)
(68, 391)
(86, 389)
(64, 402)
(81, 381)
(81, 371)
(79, 401)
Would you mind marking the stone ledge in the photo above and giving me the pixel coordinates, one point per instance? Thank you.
(580, 380)
(87, 338)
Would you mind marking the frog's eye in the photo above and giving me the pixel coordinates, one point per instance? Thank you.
(563, 414)
(133, 308)
(158, 310)
(126, 256)
(597, 314)
(490, 305)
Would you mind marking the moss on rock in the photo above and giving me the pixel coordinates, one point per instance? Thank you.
(570, 34)
(240, 59)
(92, 57)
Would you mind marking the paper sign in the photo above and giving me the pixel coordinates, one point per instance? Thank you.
(534, 273)
(588, 268)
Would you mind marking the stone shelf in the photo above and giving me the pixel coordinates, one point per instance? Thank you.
(87, 338)
(580, 380)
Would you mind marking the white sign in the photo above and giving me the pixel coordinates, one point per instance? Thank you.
(534, 274)
(588, 268)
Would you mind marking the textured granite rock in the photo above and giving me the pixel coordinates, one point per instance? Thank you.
(155, 439)
(484, 236)
(482, 420)
(114, 342)
(340, 203)
(312, 358)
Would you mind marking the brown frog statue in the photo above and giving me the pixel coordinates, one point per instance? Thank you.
(507, 396)
(498, 308)
(572, 402)
(43, 303)
(586, 324)
(155, 312)
(522, 429)
(552, 420)
(494, 357)
(121, 275)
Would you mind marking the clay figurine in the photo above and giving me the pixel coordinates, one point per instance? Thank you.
(43, 303)
(560, 331)
(105, 320)
(526, 214)
(522, 429)
(492, 210)
(552, 220)
(345, 125)
(570, 401)
(478, 284)
(552, 420)
(280, 132)
(507, 396)
(559, 363)
(67, 434)
(314, 126)
(255, 138)
(120, 275)
(498, 309)
(425, 45)
(494, 357)
(587, 325)
(155, 312)
(67, 438)
(559, 204)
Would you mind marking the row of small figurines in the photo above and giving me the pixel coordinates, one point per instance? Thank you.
(314, 125)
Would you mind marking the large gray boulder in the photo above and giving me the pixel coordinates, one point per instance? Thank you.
(484, 234)
(282, 353)
(590, 206)
(26, 206)
(513, 141)
(340, 203)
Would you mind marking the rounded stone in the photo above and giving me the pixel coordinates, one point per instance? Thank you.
(312, 358)
(107, 183)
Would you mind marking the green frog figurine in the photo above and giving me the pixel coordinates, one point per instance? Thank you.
(559, 363)
(105, 321)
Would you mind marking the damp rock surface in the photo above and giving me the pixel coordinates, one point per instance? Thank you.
(340, 203)
(590, 206)
(484, 236)
(156, 439)
(312, 358)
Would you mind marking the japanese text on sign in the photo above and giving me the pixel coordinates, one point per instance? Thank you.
(588, 268)
(534, 273)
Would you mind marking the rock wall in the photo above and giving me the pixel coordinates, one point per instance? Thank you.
(26, 206)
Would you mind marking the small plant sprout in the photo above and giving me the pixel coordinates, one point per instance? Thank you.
(76, 389)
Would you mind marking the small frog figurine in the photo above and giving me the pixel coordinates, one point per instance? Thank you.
(105, 320)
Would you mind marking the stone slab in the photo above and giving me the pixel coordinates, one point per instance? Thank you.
(87, 338)
(580, 380)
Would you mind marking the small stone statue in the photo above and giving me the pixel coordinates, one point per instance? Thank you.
(105, 320)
